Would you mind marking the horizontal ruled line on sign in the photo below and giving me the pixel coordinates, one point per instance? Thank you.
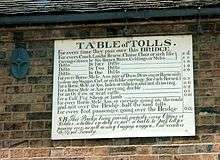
(149, 67)
(144, 113)
(151, 63)
(149, 72)
(159, 88)
(153, 97)
(151, 92)
(78, 66)
(79, 70)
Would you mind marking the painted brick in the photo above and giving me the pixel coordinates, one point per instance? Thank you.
(16, 134)
(216, 82)
(186, 149)
(15, 126)
(39, 116)
(18, 108)
(36, 143)
(78, 142)
(39, 88)
(71, 33)
(216, 42)
(204, 83)
(206, 55)
(208, 138)
(128, 150)
(44, 98)
(101, 151)
(39, 44)
(4, 153)
(57, 152)
(207, 111)
(40, 80)
(207, 129)
(203, 148)
(98, 32)
(20, 98)
(46, 134)
(143, 150)
(6, 80)
(37, 53)
(165, 157)
(38, 107)
(121, 141)
(98, 142)
(209, 157)
(5, 117)
(205, 64)
(31, 153)
(48, 124)
(164, 149)
(104, 158)
(143, 141)
(4, 135)
(16, 153)
(188, 157)
(206, 73)
(18, 89)
(216, 73)
(69, 152)
(36, 125)
(48, 107)
(62, 143)
(2, 55)
(216, 148)
(217, 119)
(33, 134)
(40, 70)
(204, 92)
(18, 117)
(3, 63)
(144, 157)
(1, 126)
(49, 70)
(163, 140)
(2, 108)
(47, 143)
(196, 157)
(201, 120)
(206, 102)
(15, 143)
(2, 89)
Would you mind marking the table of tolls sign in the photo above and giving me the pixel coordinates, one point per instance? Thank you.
(123, 87)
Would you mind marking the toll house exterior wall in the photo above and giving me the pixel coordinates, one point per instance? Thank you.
(26, 104)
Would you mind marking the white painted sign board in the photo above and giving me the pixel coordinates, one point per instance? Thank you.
(123, 87)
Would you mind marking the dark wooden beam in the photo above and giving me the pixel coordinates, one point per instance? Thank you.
(108, 15)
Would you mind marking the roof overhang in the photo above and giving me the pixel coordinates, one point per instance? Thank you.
(108, 15)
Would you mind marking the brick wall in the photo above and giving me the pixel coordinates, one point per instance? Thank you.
(25, 105)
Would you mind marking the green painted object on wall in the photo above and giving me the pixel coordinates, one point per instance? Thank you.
(19, 63)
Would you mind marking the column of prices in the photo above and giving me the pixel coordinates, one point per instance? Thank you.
(123, 87)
